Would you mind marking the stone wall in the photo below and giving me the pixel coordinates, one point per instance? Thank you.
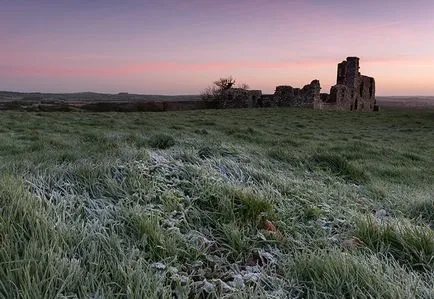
(287, 96)
(240, 98)
(266, 100)
(365, 99)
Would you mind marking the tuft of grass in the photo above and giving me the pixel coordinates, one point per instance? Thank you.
(158, 242)
(250, 206)
(334, 274)
(412, 156)
(172, 201)
(207, 152)
(338, 166)
(312, 212)
(215, 151)
(201, 131)
(235, 240)
(282, 155)
(409, 244)
(422, 209)
(161, 141)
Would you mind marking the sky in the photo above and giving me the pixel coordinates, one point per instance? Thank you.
(181, 47)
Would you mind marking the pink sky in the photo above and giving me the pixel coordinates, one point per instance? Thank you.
(173, 47)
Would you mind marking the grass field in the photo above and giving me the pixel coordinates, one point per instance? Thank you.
(261, 203)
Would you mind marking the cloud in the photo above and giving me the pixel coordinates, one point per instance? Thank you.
(394, 74)
(168, 66)
(146, 67)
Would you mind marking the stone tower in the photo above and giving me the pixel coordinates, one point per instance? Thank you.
(348, 72)
(352, 91)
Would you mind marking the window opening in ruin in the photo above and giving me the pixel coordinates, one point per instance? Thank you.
(355, 105)
(361, 90)
(370, 90)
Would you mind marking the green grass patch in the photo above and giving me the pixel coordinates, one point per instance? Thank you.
(423, 209)
(410, 245)
(161, 141)
(159, 205)
(338, 166)
(341, 275)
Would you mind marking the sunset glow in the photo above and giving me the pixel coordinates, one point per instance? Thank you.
(168, 47)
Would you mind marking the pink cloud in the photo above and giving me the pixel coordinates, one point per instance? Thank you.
(394, 74)
(131, 69)
(144, 67)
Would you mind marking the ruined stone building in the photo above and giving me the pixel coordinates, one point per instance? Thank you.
(352, 91)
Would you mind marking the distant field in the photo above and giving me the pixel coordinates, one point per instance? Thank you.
(406, 102)
(89, 101)
(57, 102)
(249, 203)
(91, 97)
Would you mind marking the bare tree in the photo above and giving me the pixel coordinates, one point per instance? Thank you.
(225, 83)
(243, 86)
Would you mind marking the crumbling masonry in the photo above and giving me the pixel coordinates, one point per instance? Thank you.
(352, 91)
(240, 98)
(296, 97)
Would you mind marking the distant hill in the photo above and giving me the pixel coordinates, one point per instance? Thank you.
(93, 97)
(92, 101)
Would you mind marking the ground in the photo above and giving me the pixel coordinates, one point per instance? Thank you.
(252, 203)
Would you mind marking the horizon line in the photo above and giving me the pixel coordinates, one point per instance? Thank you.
(167, 95)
